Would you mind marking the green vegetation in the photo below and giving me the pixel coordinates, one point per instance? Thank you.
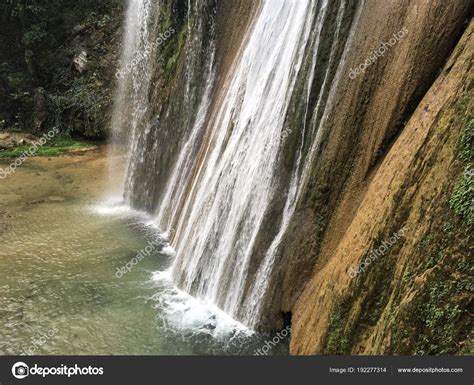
(462, 198)
(432, 248)
(56, 146)
(172, 52)
(337, 341)
(41, 83)
(467, 143)
(438, 321)
(440, 317)
(174, 45)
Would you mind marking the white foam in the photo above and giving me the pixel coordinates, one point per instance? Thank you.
(168, 250)
(181, 310)
(119, 208)
(186, 313)
(113, 206)
(112, 210)
(164, 276)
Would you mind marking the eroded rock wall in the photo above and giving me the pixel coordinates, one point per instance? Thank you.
(396, 167)
(187, 76)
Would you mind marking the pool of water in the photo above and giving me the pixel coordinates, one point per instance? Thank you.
(64, 290)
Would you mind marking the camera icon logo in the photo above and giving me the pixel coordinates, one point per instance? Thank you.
(20, 370)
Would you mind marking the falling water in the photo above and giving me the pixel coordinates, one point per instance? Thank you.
(230, 191)
(223, 179)
(131, 102)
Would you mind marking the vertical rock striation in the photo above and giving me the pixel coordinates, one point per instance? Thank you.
(414, 297)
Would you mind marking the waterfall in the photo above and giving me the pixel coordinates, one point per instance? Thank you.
(223, 177)
(228, 194)
(130, 99)
(254, 303)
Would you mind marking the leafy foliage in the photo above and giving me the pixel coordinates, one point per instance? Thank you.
(440, 317)
(35, 34)
(42, 39)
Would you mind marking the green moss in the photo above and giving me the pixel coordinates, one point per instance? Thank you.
(432, 247)
(464, 267)
(54, 147)
(439, 316)
(337, 340)
(433, 259)
(438, 321)
(172, 52)
(321, 222)
(408, 276)
(462, 198)
(467, 146)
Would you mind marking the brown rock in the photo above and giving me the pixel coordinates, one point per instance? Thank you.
(409, 188)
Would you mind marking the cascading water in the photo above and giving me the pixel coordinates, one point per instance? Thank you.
(131, 101)
(223, 178)
(135, 119)
(229, 192)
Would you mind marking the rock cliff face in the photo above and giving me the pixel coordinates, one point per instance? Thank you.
(366, 114)
(191, 66)
(372, 135)
(403, 120)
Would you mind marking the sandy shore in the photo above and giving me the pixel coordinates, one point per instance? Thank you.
(73, 176)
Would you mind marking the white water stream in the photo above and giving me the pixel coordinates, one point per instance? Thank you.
(220, 189)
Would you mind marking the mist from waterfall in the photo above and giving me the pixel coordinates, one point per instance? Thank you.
(130, 99)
